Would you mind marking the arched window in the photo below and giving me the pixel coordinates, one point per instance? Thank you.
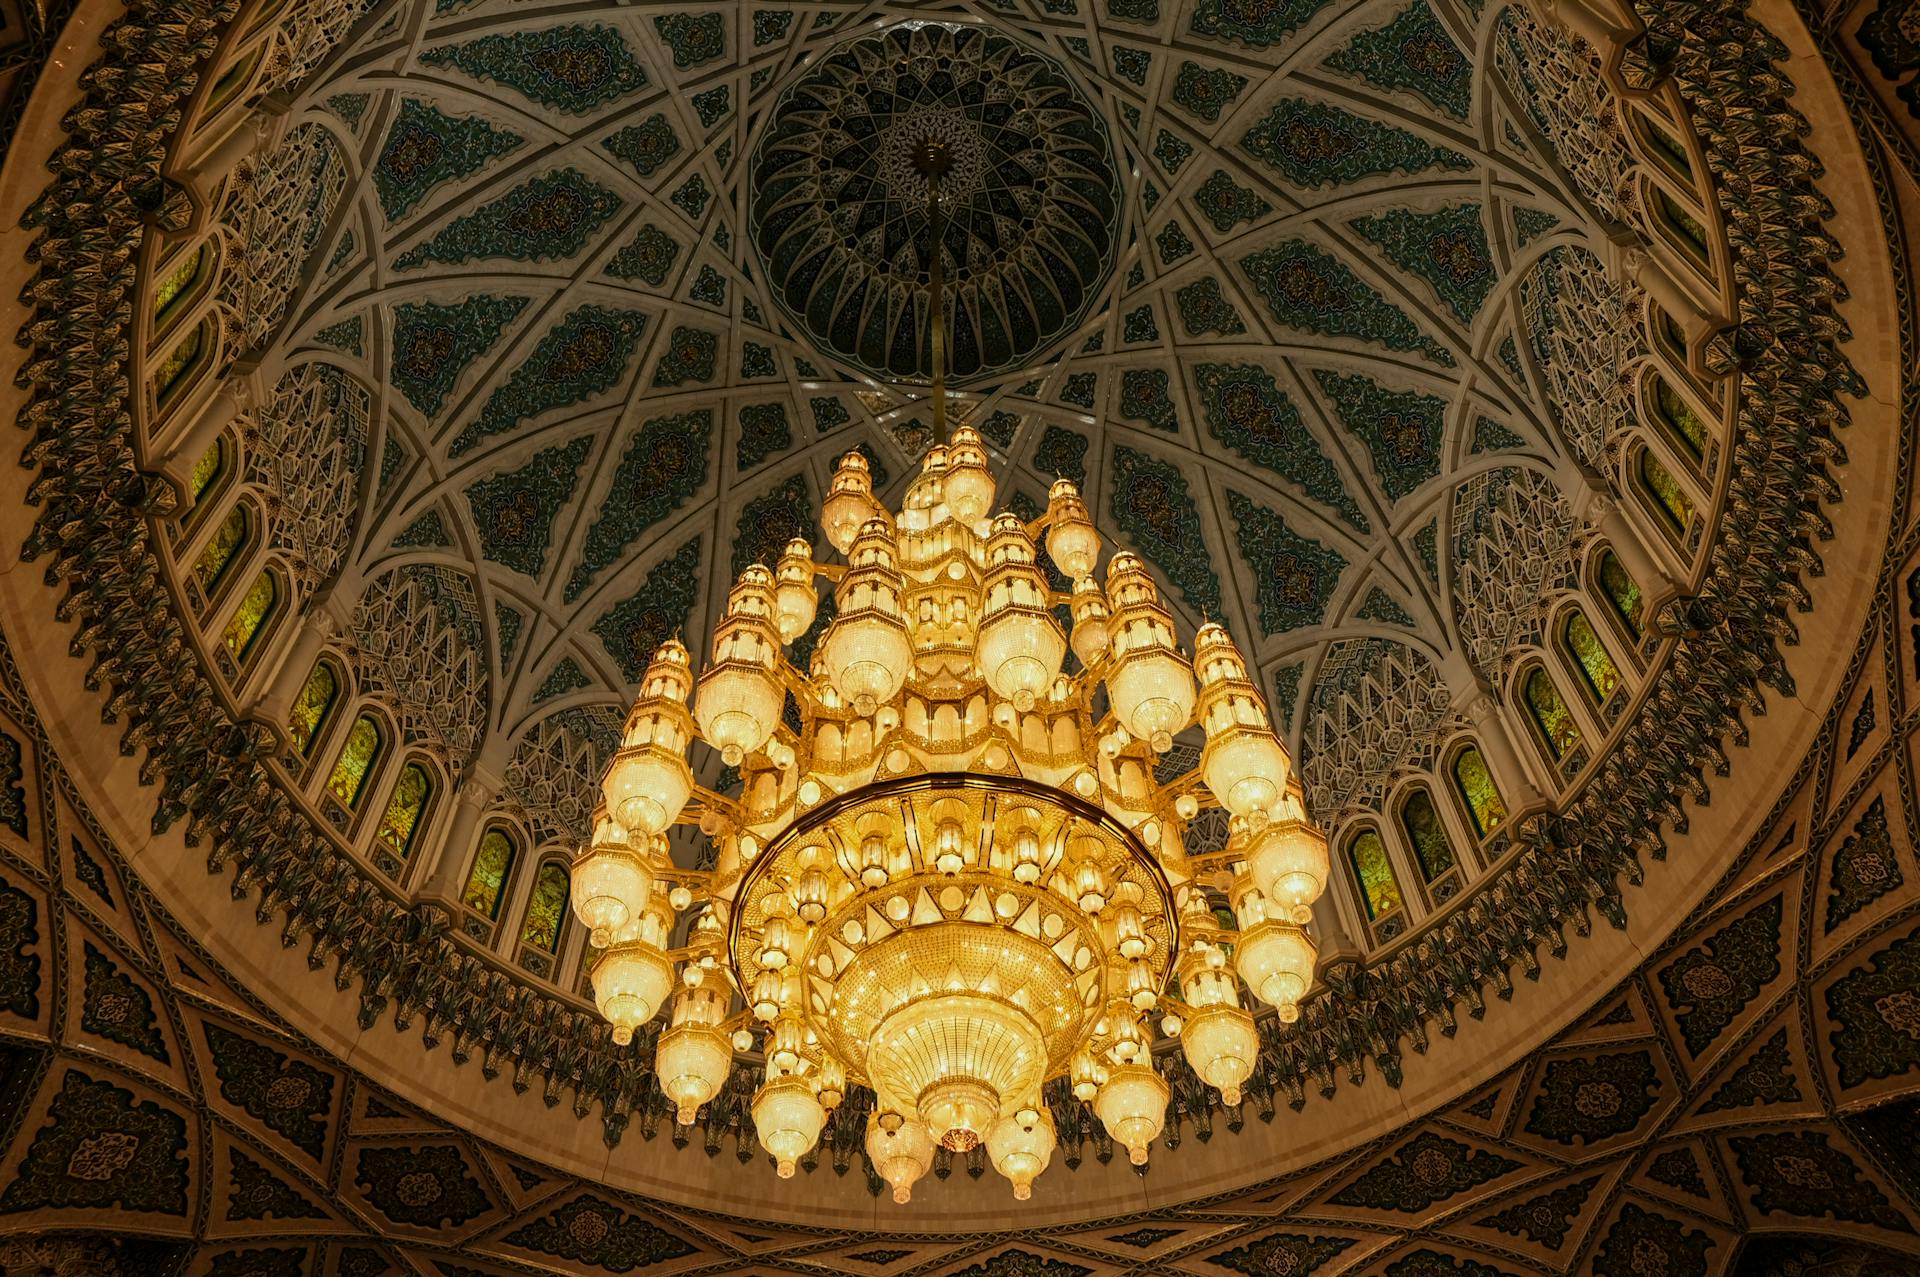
(547, 909)
(1485, 808)
(1420, 819)
(1669, 499)
(1551, 715)
(232, 80)
(312, 706)
(492, 866)
(1622, 593)
(1683, 424)
(1598, 674)
(1670, 335)
(1688, 233)
(177, 285)
(1665, 146)
(1379, 892)
(361, 751)
(406, 810)
(249, 620)
(171, 375)
(206, 476)
(222, 548)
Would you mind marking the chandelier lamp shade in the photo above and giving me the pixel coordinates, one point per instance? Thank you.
(954, 873)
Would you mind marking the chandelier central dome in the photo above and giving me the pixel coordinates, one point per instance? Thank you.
(955, 871)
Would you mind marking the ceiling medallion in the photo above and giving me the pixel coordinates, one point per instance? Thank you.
(1032, 200)
(953, 873)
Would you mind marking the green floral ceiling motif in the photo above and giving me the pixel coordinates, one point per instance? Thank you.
(665, 463)
(1250, 414)
(1412, 52)
(426, 147)
(839, 211)
(514, 512)
(433, 344)
(1314, 143)
(655, 612)
(584, 355)
(549, 217)
(573, 68)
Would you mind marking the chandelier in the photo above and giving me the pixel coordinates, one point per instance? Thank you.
(954, 873)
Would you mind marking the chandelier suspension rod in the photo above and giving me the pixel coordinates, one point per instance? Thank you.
(932, 160)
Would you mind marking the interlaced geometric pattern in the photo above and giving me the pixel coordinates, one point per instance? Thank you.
(425, 663)
(1557, 81)
(313, 440)
(1513, 542)
(1377, 707)
(274, 212)
(1587, 339)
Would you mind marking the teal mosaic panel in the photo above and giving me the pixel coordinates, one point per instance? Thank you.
(1307, 288)
(646, 146)
(647, 257)
(426, 147)
(433, 344)
(1258, 25)
(1446, 247)
(1317, 144)
(1206, 92)
(583, 355)
(1153, 504)
(1402, 429)
(548, 218)
(664, 464)
(1246, 410)
(1226, 203)
(1294, 576)
(513, 513)
(1414, 53)
(572, 69)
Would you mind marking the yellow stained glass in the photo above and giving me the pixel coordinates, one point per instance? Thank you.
(314, 704)
(547, 909)
(173, 369)
(1668, 497)
(1551, 715)
(357, 756)
(249, 620)
(492, 865)
(175, 282)
(207, 470)
(221, 550)
(1421, 820)
(1378, 889)
(1597, 669)
(401, 824)
(1485, 808)
(1688, 429)
(1622, 592)
(1668, 147)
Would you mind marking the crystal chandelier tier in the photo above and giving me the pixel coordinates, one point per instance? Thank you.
(954, 873)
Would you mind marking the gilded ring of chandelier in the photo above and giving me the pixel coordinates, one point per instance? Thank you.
(912, 806)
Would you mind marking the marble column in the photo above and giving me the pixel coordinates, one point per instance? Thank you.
(1496, 745)
(471, 804)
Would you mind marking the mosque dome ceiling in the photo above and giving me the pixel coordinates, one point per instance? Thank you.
(472, 347)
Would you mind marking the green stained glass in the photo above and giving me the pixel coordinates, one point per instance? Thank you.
(1693, 236)
(249, 620)
(1597, 669)
(1485, 808)
(1550, 715)
(314, 704)
(1688, 429)
(1668, 147)
(232, 81)
(404, 810)
(1622, 592)
(492, 865)
(207, 470)
(173, 369)
(1670, 334)
(357, 756)
(1378, 890)
(175, 283)
(1676, 509)
(1421, 820)
(548, 908)
(221, 550)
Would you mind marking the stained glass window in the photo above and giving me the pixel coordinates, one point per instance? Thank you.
(207, 471)
(1485, 808)
(548, 908)
(1668, 147)
(1597, 669)
(1693, 236)
(249, 620)
(492, 865)
(176, 282)
(231, 81)
(1368, 856)
(405, 809)
(357, 757)
(1687, 427)
(1421, 820)
(1550, 714)
(1622, 592)
(310, 710)
(1670, 334)
(222, 548)
(1676, 509)
(173, 369)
